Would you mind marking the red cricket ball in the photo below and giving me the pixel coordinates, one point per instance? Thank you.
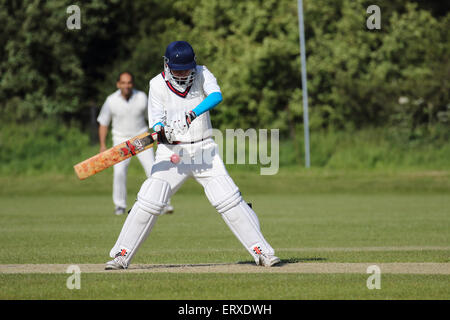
(174, 158)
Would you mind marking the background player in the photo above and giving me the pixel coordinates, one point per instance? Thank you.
(179, 102)
(126, 109)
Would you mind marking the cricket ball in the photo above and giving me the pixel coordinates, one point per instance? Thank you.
(174, 158)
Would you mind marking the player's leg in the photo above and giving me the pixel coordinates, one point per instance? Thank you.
(147, 159)
(225, 196)
(120, 186)
(149, 204)
(151, 200)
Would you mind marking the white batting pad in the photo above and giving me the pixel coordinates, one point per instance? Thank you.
(223, 193)
(239, 220)
(225, 196)
(151, 200)
(153, 195)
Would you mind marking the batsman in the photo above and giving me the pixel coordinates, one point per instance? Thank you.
(179, 101)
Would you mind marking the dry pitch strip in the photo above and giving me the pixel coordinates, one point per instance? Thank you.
(284, 267)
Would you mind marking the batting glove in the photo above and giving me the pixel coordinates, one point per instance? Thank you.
(182, 122)
(164, 134)
(190, 116)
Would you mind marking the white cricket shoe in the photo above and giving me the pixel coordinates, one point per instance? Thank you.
(117, 263)
(168, 209)
(119, 211)
(267, 261)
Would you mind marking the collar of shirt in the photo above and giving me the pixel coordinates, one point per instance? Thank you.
(133, 94)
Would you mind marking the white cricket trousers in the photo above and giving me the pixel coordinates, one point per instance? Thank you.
(146, 158)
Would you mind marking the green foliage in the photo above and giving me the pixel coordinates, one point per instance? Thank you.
(47, 69)
(47, 145)
(388, 148)
(39, 72)
(396, 78)
(44, 145)
(356, 76)
(372, 148)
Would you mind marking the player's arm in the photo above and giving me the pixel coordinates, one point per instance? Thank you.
(104, 118)
(212, 100)
(213, 96)
(157, 117)
(102, 133)
(156, 114)
(145, 113)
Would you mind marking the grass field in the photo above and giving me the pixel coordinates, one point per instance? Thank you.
(310, 218)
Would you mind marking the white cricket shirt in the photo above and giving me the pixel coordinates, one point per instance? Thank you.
(128, 118)
(166, 102)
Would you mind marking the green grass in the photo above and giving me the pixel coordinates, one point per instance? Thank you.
(223, 286)
(289, 180)
(57, 219)
(45, 229)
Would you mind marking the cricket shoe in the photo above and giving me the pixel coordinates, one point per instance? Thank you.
(267, 261)
(119, 211)
(168, 209)
(117, 263)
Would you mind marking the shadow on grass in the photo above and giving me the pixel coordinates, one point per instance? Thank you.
(249, 262)
(184, 265)
(289, 260)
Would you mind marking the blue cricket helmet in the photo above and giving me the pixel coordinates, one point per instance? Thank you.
(180, 56)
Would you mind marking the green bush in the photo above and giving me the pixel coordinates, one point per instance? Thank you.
(395, 76)
(50, 146)
(44, 145)
(379, 148)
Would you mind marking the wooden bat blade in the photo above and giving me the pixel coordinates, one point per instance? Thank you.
(114, 155)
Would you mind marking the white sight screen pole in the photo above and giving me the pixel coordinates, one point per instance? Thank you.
(304, 86)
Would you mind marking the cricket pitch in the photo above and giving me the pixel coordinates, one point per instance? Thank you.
(284, 267)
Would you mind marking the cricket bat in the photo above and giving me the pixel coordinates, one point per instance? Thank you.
(114, 155)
